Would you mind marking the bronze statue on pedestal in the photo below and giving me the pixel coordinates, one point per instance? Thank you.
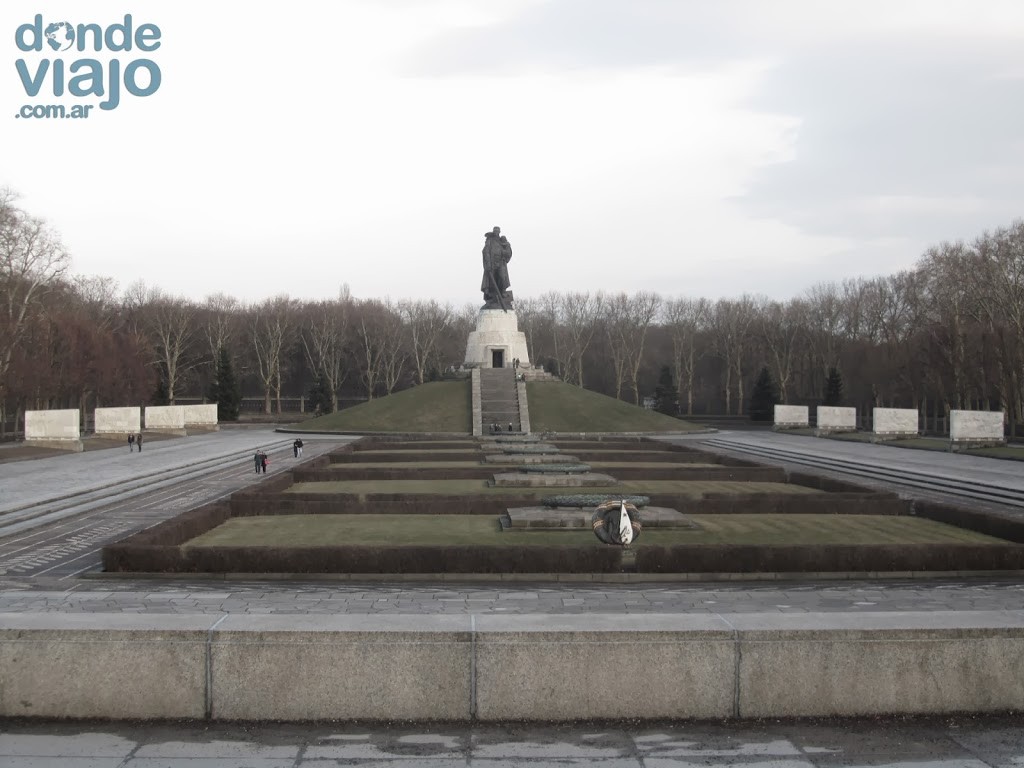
(497, 253)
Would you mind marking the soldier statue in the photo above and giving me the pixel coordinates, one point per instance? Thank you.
(497, 254)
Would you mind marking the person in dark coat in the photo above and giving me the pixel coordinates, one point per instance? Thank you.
(257, 461)
(131, 443)
(263, 461)
(138, 441)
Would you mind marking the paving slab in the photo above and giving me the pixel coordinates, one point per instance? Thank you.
(947, 742)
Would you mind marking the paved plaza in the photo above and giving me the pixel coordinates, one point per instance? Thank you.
(951, 742)
(50, 563)
(101, 496)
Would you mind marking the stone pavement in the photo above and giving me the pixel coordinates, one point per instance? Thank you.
(57, 513)
(950, 742)
(267, 597)
(39, 481)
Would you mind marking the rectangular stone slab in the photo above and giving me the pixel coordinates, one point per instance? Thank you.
(530, 458)
(523, 480)
(548, 518)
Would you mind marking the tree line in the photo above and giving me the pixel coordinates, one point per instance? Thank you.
(948, 333)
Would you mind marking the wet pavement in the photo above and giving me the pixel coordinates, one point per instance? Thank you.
(950, 742)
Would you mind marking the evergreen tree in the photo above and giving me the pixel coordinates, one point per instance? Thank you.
(666, 396)
(224, 389)
(834, 387)
(764, 397)
(320, 397)
(160, 395)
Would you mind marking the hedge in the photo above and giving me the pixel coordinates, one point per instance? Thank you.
(362, 559)
(749, 558)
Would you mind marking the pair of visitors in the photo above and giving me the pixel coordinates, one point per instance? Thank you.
(515, 363)
(260, 460)
(297, 448)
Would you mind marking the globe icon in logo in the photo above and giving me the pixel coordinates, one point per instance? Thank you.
(60, 35)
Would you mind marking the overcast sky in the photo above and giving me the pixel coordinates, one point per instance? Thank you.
(689, 147)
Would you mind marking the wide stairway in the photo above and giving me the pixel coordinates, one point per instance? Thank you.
(499, 399)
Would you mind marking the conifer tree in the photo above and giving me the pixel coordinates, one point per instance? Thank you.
(834, 387)
(224, 389)
(764, 397)
(666, 396)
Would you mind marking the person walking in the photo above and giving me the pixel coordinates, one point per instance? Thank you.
(131, 443)
(138, 441)
(263, 461)
(299, 441)
(256, 460)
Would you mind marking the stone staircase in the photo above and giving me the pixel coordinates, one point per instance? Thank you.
(499, 399)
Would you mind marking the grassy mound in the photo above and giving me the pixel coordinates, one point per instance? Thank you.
(559, 407)
(438, 406)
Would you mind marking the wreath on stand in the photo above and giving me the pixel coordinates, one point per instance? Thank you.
(616, 522)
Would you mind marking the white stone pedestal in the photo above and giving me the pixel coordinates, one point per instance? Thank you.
(497, 341)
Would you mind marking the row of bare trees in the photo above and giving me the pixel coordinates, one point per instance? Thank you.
(947, 334)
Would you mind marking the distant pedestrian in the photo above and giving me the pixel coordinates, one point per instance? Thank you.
(295, 447)
(138, 441)
(131, 443)
(257, 460)
(299, 441)
(510, 426)
(264, 461)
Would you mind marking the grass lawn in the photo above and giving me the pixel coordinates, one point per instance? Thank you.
(693, 488)
(440, 530)
(438, 406)
(559, 407)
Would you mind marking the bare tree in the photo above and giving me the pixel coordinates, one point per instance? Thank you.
(380, 332)
(730, 323)
(616, 314)
(825, 326)
(782, 328)
(685, 319)
(32, 261)
(1001, 267)
(549, 323)
(395, 353)
(950, 280)
(627, 320)
(324, 340)
(582, 314)
(272, 326)
(425, 323)
(221, 324)
(170, 324)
